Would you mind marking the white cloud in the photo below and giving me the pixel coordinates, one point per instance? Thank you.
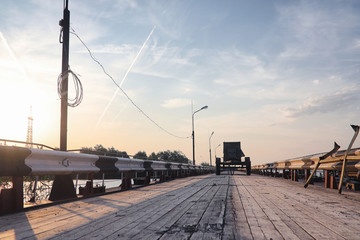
(176, 103)
(312, 28)
(344, 99)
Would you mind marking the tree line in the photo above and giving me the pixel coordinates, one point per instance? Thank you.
(166, 156)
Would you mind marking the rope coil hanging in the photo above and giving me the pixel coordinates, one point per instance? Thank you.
(72, 102)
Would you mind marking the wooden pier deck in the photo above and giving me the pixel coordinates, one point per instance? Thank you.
(199, 207)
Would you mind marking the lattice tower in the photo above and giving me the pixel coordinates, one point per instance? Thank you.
(29, 136)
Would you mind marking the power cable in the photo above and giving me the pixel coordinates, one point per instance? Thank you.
(122, 90)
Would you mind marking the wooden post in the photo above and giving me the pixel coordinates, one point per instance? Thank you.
(333, 183)
(327, 179)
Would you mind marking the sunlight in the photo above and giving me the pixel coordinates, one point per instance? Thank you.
(17, 94)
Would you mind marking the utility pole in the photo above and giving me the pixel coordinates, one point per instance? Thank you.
(65, 24)
(63, 186)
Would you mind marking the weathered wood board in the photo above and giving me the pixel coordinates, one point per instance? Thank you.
(200, 207)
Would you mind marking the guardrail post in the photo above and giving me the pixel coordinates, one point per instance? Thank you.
(333, 183)
(12, 199)
(126, 182)
(18, 192)
(285, 174)
(294, 175)
(147, 178)
(162, 176)
(327, 179)
(89, 186)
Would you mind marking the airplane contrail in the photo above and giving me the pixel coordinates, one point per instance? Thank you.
(122, 81)
(12, 54)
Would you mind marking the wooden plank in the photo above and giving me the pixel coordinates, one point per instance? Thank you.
(162, 216)
(201, 207)
(211, 223)
(165, 222)
(313, 209)
(260, 225)
(284, 225)
(104, 227)
(311, 226)
(56, 219)
(236, 224)
(187, 224)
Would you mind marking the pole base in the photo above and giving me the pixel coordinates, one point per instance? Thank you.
(63, 188)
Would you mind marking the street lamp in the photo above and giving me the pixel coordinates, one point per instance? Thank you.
(193, 133)
(210, 145)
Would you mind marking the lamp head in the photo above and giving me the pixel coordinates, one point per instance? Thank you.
(204, 107)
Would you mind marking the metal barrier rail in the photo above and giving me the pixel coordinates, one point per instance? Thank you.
(17, 162)
(334, 162)
(20, 161)
(331, 163)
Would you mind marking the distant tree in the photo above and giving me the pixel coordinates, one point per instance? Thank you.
(204, 164)
(153, 156)
(175, 156)
(140, 155)
(101, 150)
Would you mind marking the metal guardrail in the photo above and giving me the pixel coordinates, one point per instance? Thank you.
(16, 162)
(20, 161)
(333, 162)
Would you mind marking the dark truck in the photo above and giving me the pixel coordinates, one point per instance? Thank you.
(233, 159)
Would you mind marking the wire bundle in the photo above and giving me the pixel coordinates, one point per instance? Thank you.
(74, 102)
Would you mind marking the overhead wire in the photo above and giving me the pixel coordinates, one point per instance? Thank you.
(122, 90)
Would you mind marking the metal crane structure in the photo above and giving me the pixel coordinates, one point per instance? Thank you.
(29, 135)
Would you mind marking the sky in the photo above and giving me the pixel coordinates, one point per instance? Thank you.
(282, 77)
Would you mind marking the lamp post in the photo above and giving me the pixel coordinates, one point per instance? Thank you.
(193, 133)
(210, 145)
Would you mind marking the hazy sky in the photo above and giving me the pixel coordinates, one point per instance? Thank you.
(282, 77)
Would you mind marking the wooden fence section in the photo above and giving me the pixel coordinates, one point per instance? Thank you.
(199, 207)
